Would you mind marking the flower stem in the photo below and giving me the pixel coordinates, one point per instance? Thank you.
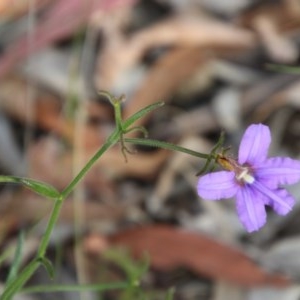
(113, 139)
(165, 145)
(14, 286)
(51, 223)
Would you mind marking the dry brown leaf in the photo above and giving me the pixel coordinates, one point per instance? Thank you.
(260, 100)
(47, 155)
(289, 96)
(139, 165)
(120, 53)
(283, 13)
(169, 248)
(58, 23)
(188, 31)
(165, 77)
(280, 47)
(8, 225)
(12, 9)
(274, 23)
(48, 113)
(26, 208)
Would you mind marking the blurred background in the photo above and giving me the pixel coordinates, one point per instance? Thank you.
(217, 65)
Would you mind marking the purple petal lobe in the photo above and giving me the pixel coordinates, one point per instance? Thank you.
(255, 144)
(279, 199)
(217, 185)
(278, 170)
(250, 208)
(287, 198)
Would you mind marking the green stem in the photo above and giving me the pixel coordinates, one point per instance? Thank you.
(27, 272)
(118, 115)
(51, 223)
(113, 139)
(56, 210)
(165, 145)
(17, 284)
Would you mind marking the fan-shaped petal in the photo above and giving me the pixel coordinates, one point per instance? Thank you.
(217, 185)
(254, 145)
(278, 170)
(279, 199)
(250, 208)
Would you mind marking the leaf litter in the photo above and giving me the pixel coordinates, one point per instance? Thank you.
(192, 57)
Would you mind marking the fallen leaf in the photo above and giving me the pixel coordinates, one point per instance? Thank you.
(120, 53)
(10, 11)
(169, 248)
(58, 23)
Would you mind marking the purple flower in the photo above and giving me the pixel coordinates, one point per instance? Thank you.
(253, 179)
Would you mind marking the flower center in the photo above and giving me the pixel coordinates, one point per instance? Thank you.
(243, 174)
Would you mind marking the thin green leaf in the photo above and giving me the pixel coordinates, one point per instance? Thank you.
(133, 269)
(76, 288)
(48, 266)
(5, 255)
(219, 143)
(17, 259)
(132, 119)
(205, 167)
(15, 285)
(212, 155)
(165, 145)
(141, 129)
(38, 187)
(111, 98)
(283, 68)
(170, 293)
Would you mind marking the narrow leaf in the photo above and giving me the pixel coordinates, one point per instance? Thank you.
(17, 259)
(128, 122)
(212, 155)
(76, 288)
(38, 187)
(165, 145)
(170, 293)
(283, 68)
(48, 266)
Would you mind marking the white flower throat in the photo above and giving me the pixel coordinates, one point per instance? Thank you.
(243, 174)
